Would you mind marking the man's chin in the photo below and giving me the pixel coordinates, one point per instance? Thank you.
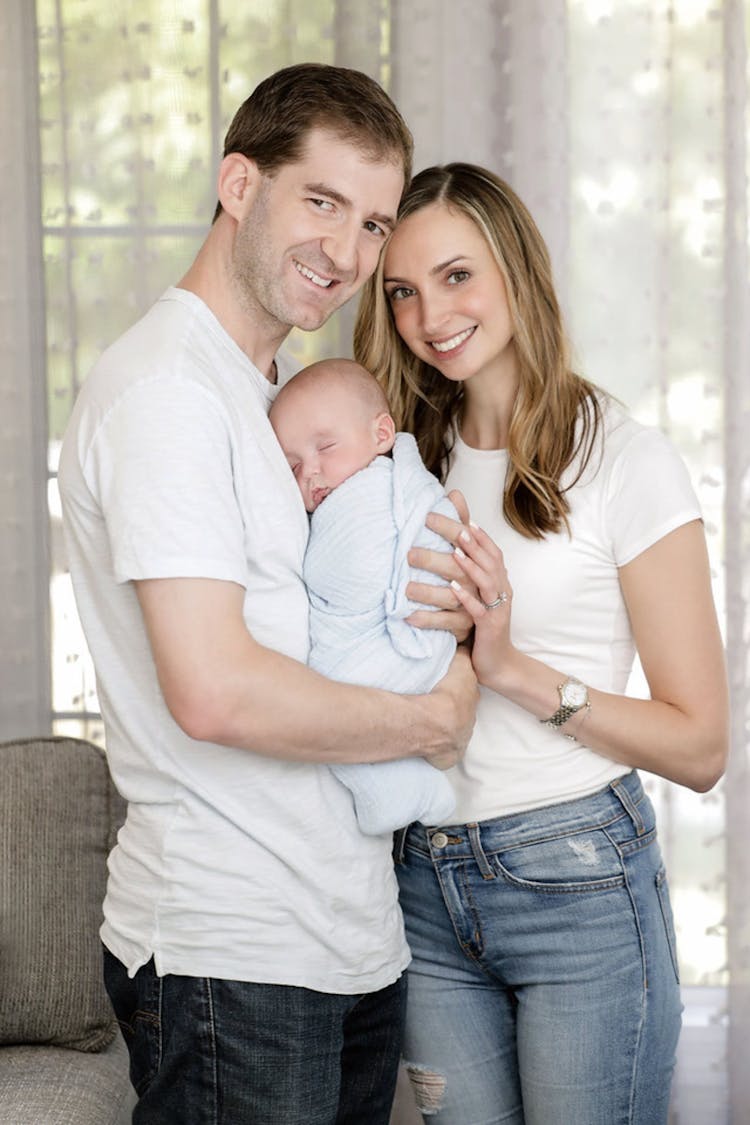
(308, 318)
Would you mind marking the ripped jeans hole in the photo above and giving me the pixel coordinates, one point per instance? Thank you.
(585, 850)
(428, 1087)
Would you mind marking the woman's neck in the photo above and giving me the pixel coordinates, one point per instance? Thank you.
(487, 407)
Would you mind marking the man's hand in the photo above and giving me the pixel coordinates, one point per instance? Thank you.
(454, 701)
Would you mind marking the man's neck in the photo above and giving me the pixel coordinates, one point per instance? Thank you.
(252, 330)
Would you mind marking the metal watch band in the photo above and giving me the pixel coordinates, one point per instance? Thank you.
(561, 715)
(565, 710)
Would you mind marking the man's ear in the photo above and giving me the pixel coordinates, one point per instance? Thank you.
(385, 432)
(238, 183)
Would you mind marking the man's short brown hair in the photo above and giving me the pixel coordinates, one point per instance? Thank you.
(271, 127)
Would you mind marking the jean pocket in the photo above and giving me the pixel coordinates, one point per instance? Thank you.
(662, 891)
(580, 862)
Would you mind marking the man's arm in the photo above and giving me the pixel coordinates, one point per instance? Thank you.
(222, 686)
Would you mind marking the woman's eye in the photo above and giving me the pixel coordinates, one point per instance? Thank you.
(399, 293)
(457, 276)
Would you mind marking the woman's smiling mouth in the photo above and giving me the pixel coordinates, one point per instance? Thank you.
(454, 342)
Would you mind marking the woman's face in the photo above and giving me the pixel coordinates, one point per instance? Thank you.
(448, 296)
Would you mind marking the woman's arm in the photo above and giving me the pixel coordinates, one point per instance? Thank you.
(681, 732)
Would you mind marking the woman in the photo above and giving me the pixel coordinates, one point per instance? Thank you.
(543, 988)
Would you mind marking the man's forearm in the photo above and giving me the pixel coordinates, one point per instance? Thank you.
(221, 686)
(274, 705)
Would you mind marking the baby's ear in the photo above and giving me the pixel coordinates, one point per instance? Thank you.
(385, 432)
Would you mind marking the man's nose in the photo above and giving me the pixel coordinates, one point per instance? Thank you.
(342, 248)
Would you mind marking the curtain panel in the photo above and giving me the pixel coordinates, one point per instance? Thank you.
(24, 561)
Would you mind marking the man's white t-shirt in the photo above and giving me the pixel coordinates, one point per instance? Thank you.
(568, 610)
(230, 864)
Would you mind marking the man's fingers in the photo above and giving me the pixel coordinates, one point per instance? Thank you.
(456, 621)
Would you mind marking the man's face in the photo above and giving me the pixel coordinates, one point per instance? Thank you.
(313, 232)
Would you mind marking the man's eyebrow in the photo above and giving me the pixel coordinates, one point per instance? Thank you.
(344, 201)
(435, 269)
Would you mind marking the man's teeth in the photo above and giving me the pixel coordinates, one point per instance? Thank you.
(321, 281)
(449, 345)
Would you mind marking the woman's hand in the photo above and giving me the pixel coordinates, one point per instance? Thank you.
(486, 594)
(448, 613)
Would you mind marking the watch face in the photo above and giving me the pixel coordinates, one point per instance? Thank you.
(574, 694)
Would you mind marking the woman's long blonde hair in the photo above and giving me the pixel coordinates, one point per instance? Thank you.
(556, 414)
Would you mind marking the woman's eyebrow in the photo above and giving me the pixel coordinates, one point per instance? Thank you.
(435, 269)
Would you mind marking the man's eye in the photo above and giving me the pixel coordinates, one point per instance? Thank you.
(322, 204)
(375, 228)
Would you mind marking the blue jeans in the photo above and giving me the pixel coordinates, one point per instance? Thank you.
(217, 1052)
(544, 986)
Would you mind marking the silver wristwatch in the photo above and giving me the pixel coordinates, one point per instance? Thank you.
(573, 697)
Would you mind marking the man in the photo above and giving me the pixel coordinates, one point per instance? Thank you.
(253, 942)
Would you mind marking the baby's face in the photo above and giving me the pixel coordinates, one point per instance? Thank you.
(326, 438)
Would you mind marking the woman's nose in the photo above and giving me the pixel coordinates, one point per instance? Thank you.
(435, 313)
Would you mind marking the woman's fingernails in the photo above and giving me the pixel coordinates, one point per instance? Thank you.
(456, 585)
(465, 536)
(459, 552)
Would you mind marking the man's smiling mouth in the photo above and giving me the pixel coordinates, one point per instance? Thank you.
(323, 282)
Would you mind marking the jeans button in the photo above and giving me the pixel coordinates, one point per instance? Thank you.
(439, 840)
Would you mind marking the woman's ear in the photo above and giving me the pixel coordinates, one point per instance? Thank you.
(385, 432)
(238, 182)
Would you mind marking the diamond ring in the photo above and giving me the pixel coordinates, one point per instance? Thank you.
(499, 600)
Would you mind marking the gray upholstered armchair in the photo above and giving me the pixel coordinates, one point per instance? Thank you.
(62, 1058)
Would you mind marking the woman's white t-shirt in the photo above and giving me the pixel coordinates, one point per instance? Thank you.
(568, 609)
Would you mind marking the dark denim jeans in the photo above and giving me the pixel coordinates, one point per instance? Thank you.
(216, 1052)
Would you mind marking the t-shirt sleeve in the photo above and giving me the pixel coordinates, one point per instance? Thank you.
(649, 494)
(161, 469)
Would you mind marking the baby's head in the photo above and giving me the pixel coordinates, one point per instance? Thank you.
(332, 420)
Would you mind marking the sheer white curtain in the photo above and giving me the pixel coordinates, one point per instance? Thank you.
(623, 124)
(24, 570)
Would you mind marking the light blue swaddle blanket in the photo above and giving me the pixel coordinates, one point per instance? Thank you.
(356, 570)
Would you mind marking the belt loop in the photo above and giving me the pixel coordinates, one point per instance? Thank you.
(399, 845)
(620, 791)
(476, 847)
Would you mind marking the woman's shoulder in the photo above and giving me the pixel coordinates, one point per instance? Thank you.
(617, 441)
(614, 426)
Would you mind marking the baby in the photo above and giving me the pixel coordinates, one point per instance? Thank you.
(368, 493)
